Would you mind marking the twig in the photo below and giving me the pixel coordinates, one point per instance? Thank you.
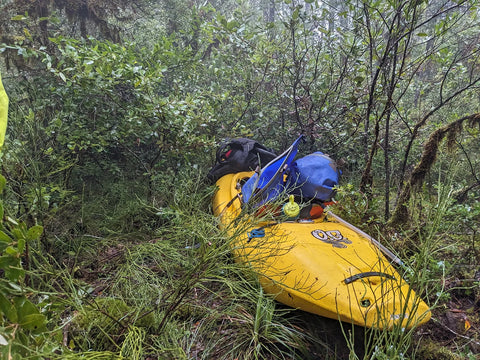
(455, 333)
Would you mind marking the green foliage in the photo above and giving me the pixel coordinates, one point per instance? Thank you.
(466, 214)
(431, 351)
(424, 269)
(174, 294)
(355, 206)
(266, 333)
(101, 322)
(121, 114)
(22, 324)
(108, 139)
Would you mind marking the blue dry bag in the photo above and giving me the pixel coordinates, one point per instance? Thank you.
(268, 184)
(314, 176)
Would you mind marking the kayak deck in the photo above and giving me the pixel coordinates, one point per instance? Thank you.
(319, 266)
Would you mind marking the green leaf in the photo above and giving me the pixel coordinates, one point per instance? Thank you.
(3, 182)
(18, 18)
(11, 265)
(21, 246)
(4, 237)
(296, 14)
(15, 273)
(17, 233)
(232, 25)
(359, 79)
(35, 322)
(8, 309)
(34, 232)
(24, 307)
(10, 250)
(29, 316)
(6, 261)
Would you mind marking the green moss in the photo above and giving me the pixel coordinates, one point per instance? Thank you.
(429, 350)
(106, 321)
(111, 310)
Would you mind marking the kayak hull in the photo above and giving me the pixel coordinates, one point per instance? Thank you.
(319, 266)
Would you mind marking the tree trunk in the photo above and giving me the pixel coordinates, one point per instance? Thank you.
(401, 214)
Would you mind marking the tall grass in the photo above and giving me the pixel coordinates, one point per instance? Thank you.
(420, 249)
(176, 293)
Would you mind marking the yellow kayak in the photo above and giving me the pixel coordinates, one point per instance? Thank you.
(3, 112)
(321, 266)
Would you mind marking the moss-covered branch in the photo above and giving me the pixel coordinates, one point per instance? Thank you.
(429, 155)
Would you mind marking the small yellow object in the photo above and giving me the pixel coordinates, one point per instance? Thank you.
(467, 325)
(291, 209)
(3, 112)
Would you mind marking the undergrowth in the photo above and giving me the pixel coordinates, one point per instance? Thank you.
(429, 248)
(172, 292)
(166, 287)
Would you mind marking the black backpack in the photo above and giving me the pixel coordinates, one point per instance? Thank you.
(238, 155)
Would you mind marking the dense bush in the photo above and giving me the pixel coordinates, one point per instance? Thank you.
(108, 248)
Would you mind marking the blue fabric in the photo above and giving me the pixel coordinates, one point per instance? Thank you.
(314, 176)
(269, 183)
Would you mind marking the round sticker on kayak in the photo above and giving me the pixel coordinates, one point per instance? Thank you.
(333, 237)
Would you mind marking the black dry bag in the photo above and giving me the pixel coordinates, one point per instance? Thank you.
(238, 155)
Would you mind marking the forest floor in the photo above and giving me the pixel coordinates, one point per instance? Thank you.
(455, 323)
(453, 333)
